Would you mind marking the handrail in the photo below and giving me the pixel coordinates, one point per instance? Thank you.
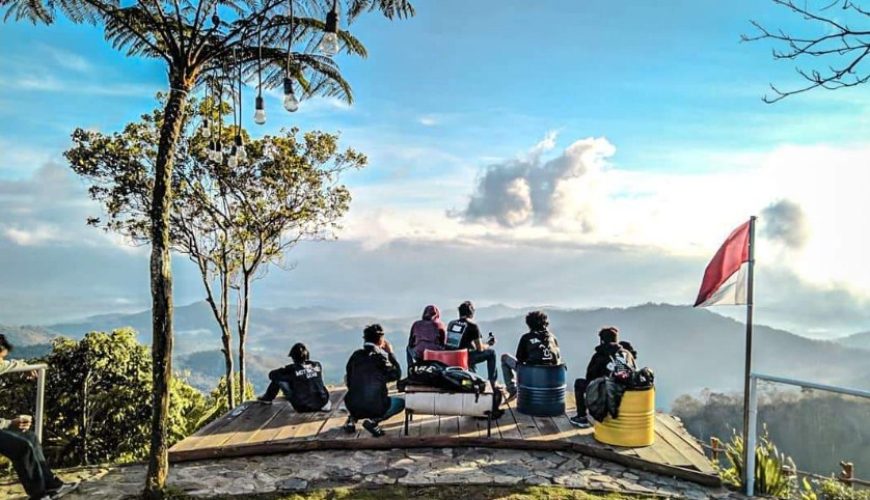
(753, 413)
(40, 369)
(812, 385)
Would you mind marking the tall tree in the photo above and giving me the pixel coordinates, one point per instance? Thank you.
(193, 40)
(836, 33)
(231, 221)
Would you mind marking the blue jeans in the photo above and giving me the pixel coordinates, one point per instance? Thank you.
(509, 369)
(476, 357)
(396, 407)
(274, 387)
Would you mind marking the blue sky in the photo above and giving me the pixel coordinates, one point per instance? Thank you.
(459, 91)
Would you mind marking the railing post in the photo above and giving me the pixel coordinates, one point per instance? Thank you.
(714, 445)
(848, 473)
(751, 436)
(40, 402)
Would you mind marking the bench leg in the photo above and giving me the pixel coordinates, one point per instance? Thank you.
(489, 425)
(408, 417)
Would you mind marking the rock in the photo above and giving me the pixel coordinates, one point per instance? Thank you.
(292, 484)
(395, 473)
(537, 481)
(630, 476)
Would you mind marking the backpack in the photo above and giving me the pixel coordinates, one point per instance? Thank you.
(455, 331)
(450, 378)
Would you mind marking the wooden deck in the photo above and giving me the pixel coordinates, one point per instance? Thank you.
(257, 429)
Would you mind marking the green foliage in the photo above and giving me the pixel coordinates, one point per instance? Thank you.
(771, 477)
(831, 489)
(98, 399)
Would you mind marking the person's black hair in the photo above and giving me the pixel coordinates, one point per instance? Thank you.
(466, 309)
(373, 333)
(609, 334)
(4, 344)
(537, 321)
(299, 353)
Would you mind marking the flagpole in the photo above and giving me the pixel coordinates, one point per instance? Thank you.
(749, 447)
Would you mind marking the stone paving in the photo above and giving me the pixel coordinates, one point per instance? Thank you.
(415, 467)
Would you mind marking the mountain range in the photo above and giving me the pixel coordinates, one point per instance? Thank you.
(689, 349)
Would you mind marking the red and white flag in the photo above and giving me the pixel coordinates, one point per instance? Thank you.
(725, 279)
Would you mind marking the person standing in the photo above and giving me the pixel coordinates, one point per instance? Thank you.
(23, 449)
(537, 347)
(426, 333)
(468, 333)
(301, 382)
(610, 355)
(369, 370)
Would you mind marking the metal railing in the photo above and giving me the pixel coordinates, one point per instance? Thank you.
(753, 414)
(40, 393)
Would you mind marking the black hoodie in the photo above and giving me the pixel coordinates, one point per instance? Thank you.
(539, 348)
(603, 353)
(369, 370)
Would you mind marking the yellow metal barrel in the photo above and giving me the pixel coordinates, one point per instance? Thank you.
(635, 426)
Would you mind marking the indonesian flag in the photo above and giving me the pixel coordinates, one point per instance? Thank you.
(726, 275)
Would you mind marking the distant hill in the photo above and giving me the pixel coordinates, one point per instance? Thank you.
(689, 349)
(28, 335)
(858, 340)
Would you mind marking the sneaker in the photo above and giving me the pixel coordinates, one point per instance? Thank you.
(581, 422)
(373, 428)
(64, 489)
(511, 395)
(349, 427)
(327, 406)
(263, 401)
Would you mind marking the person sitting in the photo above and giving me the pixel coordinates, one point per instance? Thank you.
(426, 333)
(369, 370)
(609, 355)
(469, 338)
(301, 382)
(537, 347)
(23, 449)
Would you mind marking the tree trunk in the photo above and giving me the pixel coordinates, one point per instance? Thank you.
(161, 286)
(243, 331)
(226, 336)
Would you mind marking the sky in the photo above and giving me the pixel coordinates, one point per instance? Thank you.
(563, 153)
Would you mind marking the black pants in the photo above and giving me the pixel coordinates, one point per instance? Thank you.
(278, 380)
(580, 385)
(24, 451)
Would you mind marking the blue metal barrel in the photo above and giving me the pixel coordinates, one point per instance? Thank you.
(541, 390)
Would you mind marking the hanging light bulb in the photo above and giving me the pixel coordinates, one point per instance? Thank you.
(259, 111)
(206, 130)
(232, 160)
(329, 43)
(210, 151)
(241, 154)
(291, 104)
(219, 152)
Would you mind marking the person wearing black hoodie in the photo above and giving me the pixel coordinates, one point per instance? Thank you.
(301, 382)
(369, 370)
(608, 354)
(537, 347)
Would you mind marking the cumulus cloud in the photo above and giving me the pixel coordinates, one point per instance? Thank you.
(535, 191)
(785, 221)
(48, 208)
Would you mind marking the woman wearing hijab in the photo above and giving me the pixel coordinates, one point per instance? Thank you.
(426, 333)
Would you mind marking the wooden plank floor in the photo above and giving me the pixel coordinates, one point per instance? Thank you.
(257, 429)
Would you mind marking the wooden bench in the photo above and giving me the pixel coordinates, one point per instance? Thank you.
(433, 401)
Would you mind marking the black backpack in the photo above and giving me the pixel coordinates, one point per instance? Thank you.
(437, 374)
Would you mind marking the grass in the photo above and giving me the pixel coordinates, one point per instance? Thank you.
(464, 492)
